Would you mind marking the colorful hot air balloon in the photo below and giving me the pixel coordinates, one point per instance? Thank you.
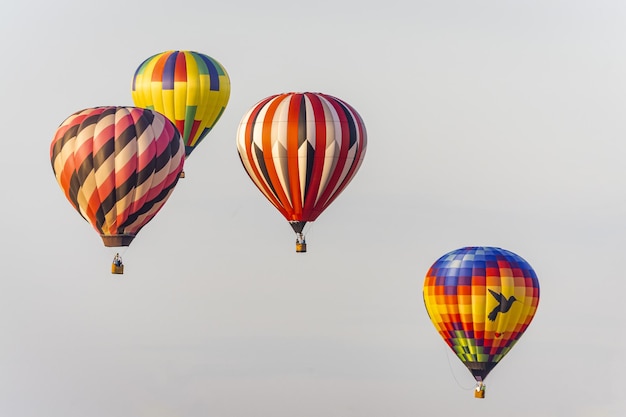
(301, 150)
(189, 88)
(117, 167)
(481, 300)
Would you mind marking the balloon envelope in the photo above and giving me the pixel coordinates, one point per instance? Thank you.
(117, 167)
(301, 150)
(481, 300)
(189, 88)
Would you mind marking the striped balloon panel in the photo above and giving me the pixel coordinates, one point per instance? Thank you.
(301, 150)
(117, 165)
(481, 300)
(190, 88)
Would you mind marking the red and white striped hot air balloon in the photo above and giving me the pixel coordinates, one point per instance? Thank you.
(301, 150)
(117, 167)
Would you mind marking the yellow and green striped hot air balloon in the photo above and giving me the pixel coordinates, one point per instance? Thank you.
(189, 88)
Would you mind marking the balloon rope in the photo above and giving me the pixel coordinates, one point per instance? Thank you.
(454, 376)
(307, 229)
(121, 250)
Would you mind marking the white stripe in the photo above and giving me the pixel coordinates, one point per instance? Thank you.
(279, 144)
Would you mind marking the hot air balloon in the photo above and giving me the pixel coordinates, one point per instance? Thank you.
(301, 150)
(189, 88)
(481, 300)
(117, 166)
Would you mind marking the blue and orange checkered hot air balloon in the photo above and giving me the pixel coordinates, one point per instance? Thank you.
(189, 88)
(481, 300)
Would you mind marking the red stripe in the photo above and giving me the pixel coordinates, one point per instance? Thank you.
(315, 175)
(180, 125)
(194, 131)
(327, 196)
(293, 126)
(358, 158)
(180, 72)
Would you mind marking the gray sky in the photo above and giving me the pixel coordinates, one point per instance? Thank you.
(493, 122)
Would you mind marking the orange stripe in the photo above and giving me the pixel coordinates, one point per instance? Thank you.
(267, 156)
(157, 71)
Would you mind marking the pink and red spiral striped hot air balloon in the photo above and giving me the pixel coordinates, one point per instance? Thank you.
(301, 150)
(117, 166)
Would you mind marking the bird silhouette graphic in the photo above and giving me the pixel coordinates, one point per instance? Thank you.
(504, 304)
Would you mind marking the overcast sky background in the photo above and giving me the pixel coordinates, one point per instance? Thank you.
(494, 122)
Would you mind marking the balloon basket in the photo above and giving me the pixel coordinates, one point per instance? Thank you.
(300, 247)
(182, 174)
(117, 269)
(479, 392)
